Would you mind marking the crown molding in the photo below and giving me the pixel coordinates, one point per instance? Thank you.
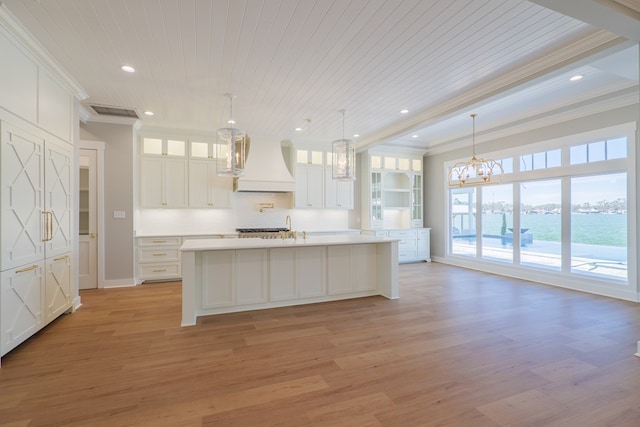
(20, 34)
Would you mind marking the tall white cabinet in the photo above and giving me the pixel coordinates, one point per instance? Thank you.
(38, 126)
(36, 232)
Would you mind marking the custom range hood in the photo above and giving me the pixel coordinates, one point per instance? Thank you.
(265, 169)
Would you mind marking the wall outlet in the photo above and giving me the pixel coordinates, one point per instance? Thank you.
(119, 214)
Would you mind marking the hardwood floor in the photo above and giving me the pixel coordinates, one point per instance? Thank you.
(459, 348)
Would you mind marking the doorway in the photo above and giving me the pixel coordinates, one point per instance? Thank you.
(89, 218)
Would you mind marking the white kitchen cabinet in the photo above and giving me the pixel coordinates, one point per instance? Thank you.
(309, 187)
(350, 268)
(21, 304)
(311, 275)
(206, 188)
(338, 194)
(163, 182)
(424, 244)
(57, 294)
(163, 173)
(251, 277)
(36, 231)
(417, 200)
(158, 258)
(413, 244)
(309, 175)
(240, 277)
(282, 274)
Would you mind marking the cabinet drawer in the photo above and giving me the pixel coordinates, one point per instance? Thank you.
(422, 233)
(407, 255)
(170, 270)
(159, 241)
(402, 234)
(407, 244)
(159, 254)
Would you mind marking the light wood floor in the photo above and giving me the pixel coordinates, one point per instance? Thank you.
(459, 348)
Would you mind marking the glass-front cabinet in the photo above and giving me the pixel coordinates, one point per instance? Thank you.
(394, 194)
(376, 199)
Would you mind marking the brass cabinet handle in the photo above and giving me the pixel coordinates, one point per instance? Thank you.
(48, 226)
(159, 254)
(159, 241)
(60, 258)
(23, 270)
(160, 271)
(92, 235)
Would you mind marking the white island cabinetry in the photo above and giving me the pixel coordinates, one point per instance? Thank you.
(230, 275)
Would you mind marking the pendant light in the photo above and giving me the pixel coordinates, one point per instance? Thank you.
(230, 146)
(477, 171)
(344, 157)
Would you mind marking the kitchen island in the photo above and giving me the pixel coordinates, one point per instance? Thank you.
(231, 275)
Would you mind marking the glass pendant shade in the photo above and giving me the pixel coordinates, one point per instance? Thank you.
(231, 145)
(344, 157)
(344, 160)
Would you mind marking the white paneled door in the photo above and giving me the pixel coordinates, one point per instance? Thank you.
(87, 240)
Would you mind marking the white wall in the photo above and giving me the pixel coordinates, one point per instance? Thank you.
(118, 196)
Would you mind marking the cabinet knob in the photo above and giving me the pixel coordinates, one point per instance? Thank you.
(92, 235)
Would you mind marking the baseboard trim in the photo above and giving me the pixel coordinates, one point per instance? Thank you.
(119, 283)
(76, 304)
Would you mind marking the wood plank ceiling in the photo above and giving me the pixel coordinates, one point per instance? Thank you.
(292, 60)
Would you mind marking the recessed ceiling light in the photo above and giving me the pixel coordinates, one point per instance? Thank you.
(356, 135)
(404, 111)
(576, 77)
(414, 136)
(128, 69)
(298, 129)
(148, 113)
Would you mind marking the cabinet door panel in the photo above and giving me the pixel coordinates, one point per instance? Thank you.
(339, 270)
(251, 274)
(22, 197)
(151, 182)
(57, 286)
(218, 277)
(199, 192)
(364, 262)
(21, 304)
(311, 271)
(282, 274)
(175, 183)
(58, 173)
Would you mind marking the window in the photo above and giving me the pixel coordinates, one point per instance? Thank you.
(541, 160)
(555, 213)
(540, 223)
(497, 220)
(598, 151)
(599, 225)
(463, 221)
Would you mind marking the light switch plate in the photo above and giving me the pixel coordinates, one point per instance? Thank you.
(119, 214)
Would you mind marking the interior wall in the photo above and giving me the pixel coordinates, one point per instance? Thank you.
(436, 198)
(118, 196)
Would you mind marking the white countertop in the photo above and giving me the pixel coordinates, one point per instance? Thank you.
(253, 243)
(231, 233)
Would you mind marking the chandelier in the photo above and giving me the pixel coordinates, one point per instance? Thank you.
(344, 157)
(230, 147)
(477, 171)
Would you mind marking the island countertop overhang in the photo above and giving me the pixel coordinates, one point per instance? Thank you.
(257, 243)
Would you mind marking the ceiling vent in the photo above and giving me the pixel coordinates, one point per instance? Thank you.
(114, 111)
